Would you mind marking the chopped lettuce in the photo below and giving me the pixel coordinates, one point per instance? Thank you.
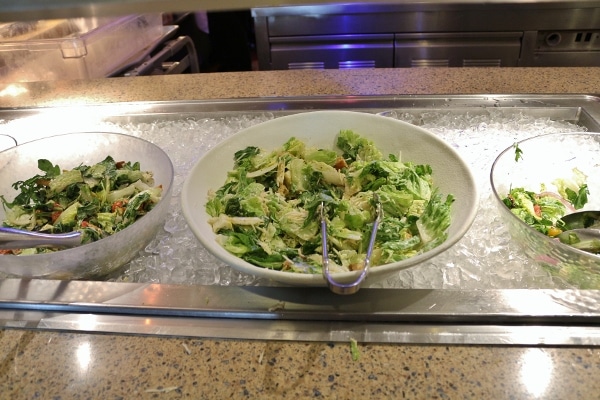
(435, 220)
(97, 200)
(267, 211)
(575, 190)
(357, 148)
(544, 211)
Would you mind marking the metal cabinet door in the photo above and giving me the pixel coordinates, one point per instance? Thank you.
(332, 51)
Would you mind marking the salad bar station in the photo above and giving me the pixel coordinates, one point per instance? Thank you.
(492, 315)
(483, 288)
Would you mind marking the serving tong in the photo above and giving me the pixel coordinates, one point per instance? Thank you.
(352, 287)
(11, 238)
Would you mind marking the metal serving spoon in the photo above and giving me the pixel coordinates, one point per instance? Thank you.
(582, 219)
(11, 238)
(582, 231)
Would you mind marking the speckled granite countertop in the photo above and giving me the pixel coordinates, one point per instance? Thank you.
(306, 83)
(58, 365)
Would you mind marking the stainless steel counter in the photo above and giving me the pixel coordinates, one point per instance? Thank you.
(515, 317)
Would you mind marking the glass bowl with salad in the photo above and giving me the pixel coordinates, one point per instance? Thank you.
(113, 188)
(255, 200)
(538, 181)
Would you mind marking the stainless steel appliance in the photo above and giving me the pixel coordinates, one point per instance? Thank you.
(426, 34)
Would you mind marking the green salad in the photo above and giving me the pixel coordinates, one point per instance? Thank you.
(97, 200)
(267, 211)
(544, 210)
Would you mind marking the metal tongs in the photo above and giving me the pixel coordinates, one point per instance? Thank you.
(352, 287)
(11, 238)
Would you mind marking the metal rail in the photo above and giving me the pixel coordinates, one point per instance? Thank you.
(565, 317)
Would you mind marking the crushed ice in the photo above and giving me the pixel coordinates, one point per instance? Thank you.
(485, 258)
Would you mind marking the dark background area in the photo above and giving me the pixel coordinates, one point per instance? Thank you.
(228, 46)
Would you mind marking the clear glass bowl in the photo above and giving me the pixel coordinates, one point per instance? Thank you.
(544, 159)
(97, 259)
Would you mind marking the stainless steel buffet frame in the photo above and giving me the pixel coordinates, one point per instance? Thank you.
(494, 316)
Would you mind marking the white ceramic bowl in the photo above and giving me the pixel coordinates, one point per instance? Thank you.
(546, 158)
(97, 259)
(319, 129)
